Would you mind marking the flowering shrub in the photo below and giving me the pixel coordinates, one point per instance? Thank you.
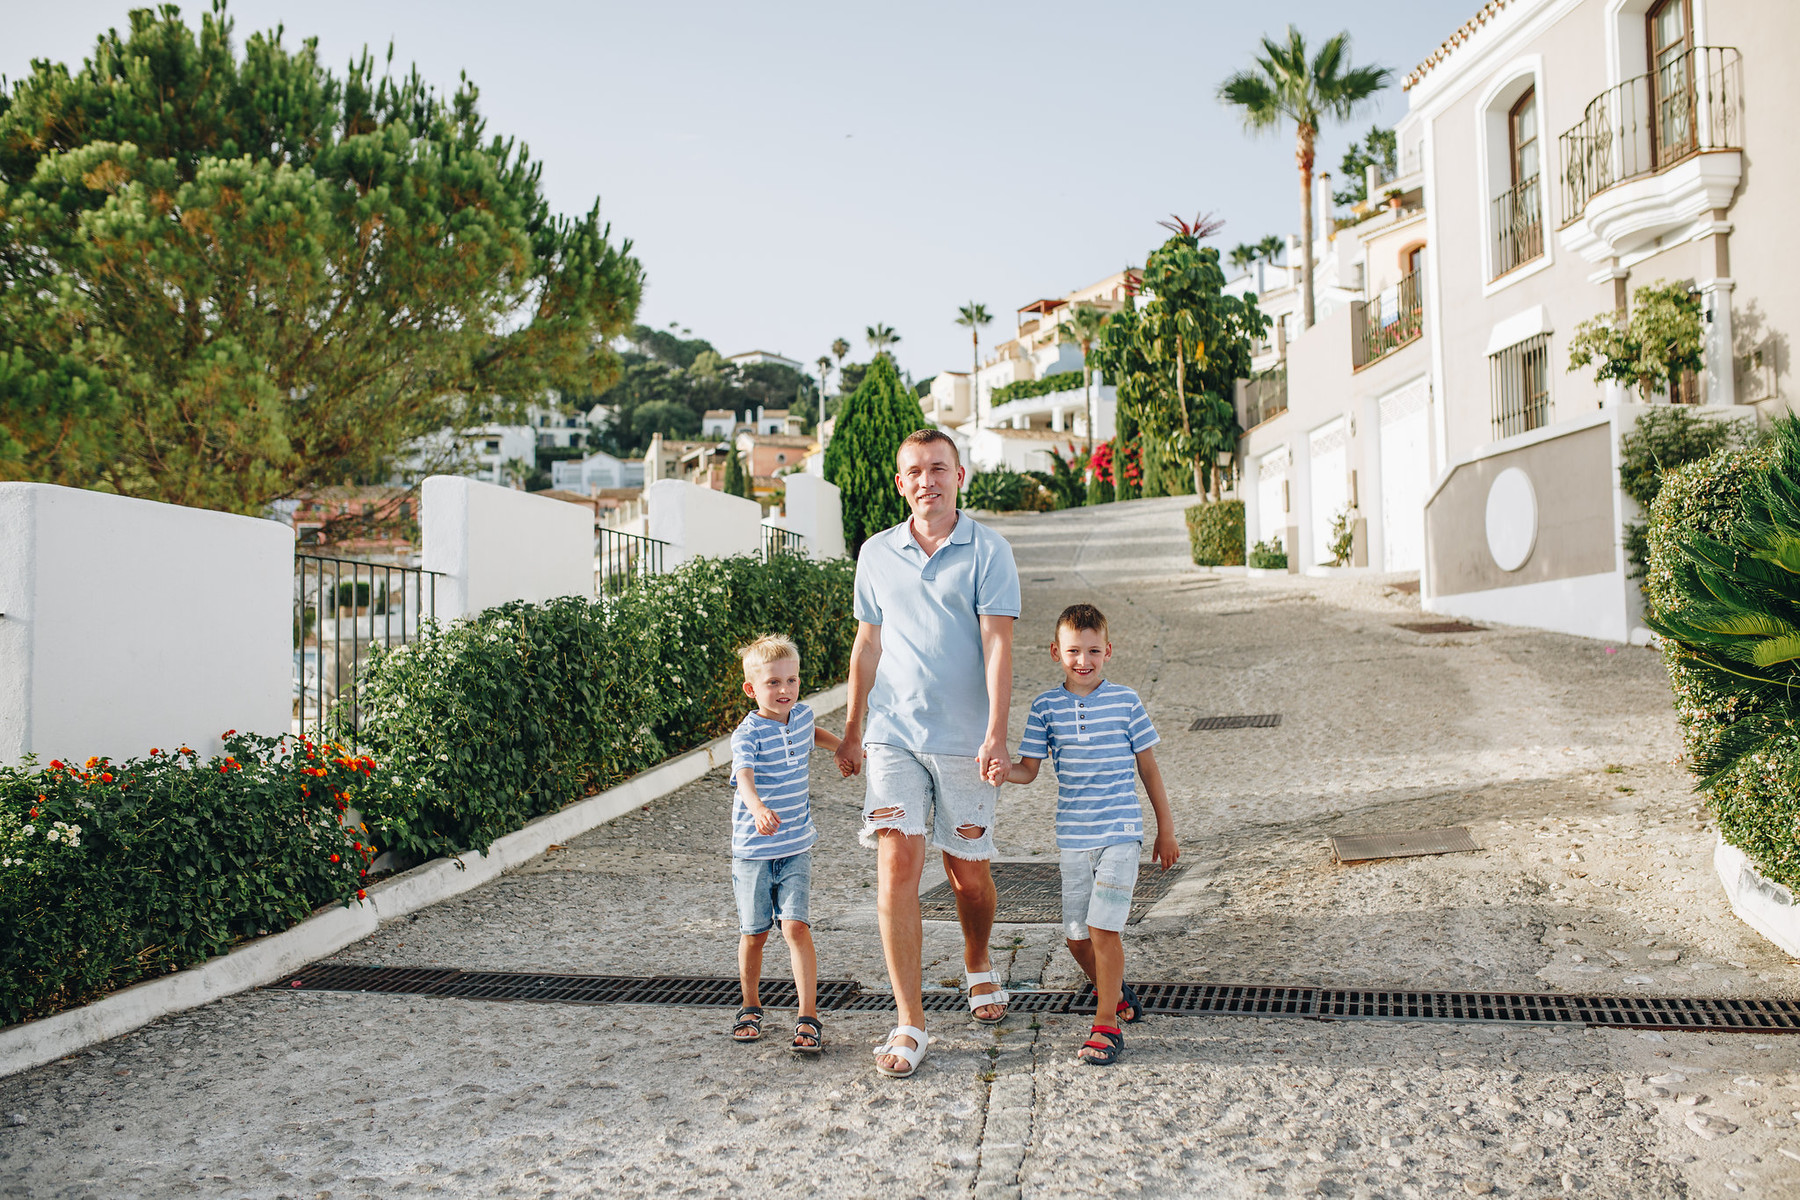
(519, 710)
(113, 872)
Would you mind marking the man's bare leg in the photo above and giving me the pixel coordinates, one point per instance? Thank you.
(973, 883)
(899, 862)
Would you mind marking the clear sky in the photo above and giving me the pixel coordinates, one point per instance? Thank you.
(794, 172)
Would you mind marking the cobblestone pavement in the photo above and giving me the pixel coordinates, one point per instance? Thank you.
(1556, 752)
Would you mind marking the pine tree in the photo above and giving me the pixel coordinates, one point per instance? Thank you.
(871, 424)
(737, 482)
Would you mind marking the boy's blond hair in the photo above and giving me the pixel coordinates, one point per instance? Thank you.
(770, 647)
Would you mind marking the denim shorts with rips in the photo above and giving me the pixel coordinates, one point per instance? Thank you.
(923, 794)
(1096, 888)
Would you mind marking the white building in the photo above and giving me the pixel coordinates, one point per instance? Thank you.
(597, 470)
(750, 358)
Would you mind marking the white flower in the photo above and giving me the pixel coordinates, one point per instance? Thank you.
(28, 830)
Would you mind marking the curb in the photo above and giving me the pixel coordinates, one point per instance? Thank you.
(1760, 903)
(263, 961)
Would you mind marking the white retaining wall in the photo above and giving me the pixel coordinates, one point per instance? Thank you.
(815, 511)
(127, 624)
(698, 522)
(497, 544)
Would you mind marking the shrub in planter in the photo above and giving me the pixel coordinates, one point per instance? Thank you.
(1006, 491)
(1216, 533)
(115, 872)
(1268, 556)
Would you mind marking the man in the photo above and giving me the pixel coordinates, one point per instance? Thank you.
(930, 690)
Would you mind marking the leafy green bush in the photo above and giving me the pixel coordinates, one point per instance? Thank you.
(871, 424)
(1343, 537)
(1007, 491)
(1268, 556)
(519, 710)
(115, 872)
(1665, 437)
(1216, 533)
(1024, 389)
(1737, 715)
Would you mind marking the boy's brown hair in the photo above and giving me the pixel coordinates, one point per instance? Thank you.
(925, 437)
(1082, 618)
(771, 647)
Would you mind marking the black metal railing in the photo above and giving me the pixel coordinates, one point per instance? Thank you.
(1382, 326)
(343, 609)
(1518, 226)
(1265, 396)
(1691, 103)
(621, 559)
(782, 541)
(1520, 385)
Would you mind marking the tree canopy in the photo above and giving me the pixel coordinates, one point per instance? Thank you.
(871, 424)
(228, 276)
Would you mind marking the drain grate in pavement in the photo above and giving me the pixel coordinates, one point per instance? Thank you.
(1441, 627)
(1030, 893)
(1166, 999)
(1365, 847)
(1258, 721)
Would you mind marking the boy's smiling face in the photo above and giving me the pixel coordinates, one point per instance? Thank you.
(1083, 655)
(775, 686)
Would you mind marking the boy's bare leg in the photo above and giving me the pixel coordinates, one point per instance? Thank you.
(806, 965)
(1102, 956)
(973, 883)
(750, 952)
(899, 861)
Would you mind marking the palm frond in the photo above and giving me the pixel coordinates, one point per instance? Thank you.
(1776, 650)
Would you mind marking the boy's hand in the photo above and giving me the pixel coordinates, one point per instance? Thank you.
(766, 820)
(849, 754)
(1165, 851)
(992, 761)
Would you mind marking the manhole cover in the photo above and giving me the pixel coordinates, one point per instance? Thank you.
(1365, 846)
(1259, 721)
(1030, 893)
(1442, 627)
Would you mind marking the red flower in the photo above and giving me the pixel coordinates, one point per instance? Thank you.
(360, 893)
(56, 765)
(229, 733)
(316, 771)
(154, 750)
(334, 858)
(106, 777)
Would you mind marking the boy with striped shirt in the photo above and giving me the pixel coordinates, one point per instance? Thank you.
(772, 833)
(1100, 738)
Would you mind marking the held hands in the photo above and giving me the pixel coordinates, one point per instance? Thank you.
(766, 820)
(1164, 852)
(992, 761)
(849, 753)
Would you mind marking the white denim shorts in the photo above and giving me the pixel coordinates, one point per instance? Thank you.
(934, 793)
(1096, 888)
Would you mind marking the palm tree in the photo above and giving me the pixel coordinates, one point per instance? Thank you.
(1287, 86)
(1083, 327)
(973, 316)
(1244, 255)
(840, 347)
(880, 337)
(824, 365)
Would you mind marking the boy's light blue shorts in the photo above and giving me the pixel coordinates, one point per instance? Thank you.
(772, 889)
(1096, 888)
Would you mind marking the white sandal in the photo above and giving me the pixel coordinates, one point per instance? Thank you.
(913, 1055)
(999, 996)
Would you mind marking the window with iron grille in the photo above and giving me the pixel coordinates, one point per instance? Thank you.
(1520, 376)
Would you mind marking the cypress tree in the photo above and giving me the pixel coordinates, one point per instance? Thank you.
(871, 424)
(737, 483)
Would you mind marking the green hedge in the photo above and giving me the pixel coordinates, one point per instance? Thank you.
(1756, 803)
(1062, 381)
(1007, 491)
(1216, 533)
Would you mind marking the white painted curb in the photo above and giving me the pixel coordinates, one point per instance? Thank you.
(1761, 903)
(263, 961)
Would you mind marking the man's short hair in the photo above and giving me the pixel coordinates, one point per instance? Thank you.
(925, 437)
(771, 647)
(1082, 618)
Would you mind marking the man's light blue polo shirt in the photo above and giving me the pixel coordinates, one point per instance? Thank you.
(930, 692)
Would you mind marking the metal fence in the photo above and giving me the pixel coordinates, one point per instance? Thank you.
(343, 608)
(1520, 383)
(1265, 396)
(1518, 226)
(1689, 104)
(1387, 323)
(621, 559)
(782, 541)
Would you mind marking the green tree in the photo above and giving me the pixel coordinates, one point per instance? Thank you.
(1287, 85)
(973, 316)
(1244, 256)
(1661, 339)
(880, 337)
(737, 480)
(1271, 247)
(1379, 148)
(1083, 327)
(228, 277)
(871, 424)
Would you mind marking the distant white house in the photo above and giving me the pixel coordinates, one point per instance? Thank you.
(751, 358)
(724, 424)
(597, 470)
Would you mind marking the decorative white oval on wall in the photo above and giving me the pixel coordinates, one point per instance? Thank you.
(1512, 519)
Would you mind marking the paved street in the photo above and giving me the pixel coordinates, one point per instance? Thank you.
(1595, 876)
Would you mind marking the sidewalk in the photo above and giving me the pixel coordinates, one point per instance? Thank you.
(1595, 877)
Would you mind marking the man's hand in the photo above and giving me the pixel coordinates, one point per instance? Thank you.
(992, 760)
(850, 753)
(1165, 851)
(766, 820)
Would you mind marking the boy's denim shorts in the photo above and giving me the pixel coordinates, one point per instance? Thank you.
(933, 793)
(1096, 888)
(771, 889)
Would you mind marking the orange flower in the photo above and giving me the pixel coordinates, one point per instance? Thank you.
(56, 764)
(154, 750)
(312, 771)
(106, 777)
(360, 893)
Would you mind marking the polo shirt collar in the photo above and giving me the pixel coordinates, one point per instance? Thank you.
(961, 534)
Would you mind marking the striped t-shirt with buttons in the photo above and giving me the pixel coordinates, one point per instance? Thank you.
(1093, 740)
(781, 756)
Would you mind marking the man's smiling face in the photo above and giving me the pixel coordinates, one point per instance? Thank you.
(929, 478)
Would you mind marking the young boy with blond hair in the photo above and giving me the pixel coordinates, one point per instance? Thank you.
(1099, 737)
(772, 833)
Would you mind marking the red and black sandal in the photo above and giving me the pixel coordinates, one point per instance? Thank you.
(1107, 1040)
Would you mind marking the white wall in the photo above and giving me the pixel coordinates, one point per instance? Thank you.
(496, 544)
(698, 522)
(815, 511)
(130, 624)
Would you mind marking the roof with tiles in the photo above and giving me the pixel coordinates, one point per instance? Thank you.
(1467, 30)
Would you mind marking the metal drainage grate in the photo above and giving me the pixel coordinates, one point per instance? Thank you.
(1030, 893)
(1442, 627)
(1364, 847)
(1259, 721)
(1165, 999)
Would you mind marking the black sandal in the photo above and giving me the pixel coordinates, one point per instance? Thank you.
(748, 1017)
(1108, 1040)
(1129, 999)
(817, 1035)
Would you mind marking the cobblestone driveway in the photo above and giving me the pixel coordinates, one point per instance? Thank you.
(1595, 877)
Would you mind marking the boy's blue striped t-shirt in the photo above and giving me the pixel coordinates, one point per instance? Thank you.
(781, 756)
(1093, 741)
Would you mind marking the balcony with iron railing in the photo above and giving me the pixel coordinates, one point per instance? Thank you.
(1381, 326)
(1689, 105)
(1265, 396)
(1518, 226)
